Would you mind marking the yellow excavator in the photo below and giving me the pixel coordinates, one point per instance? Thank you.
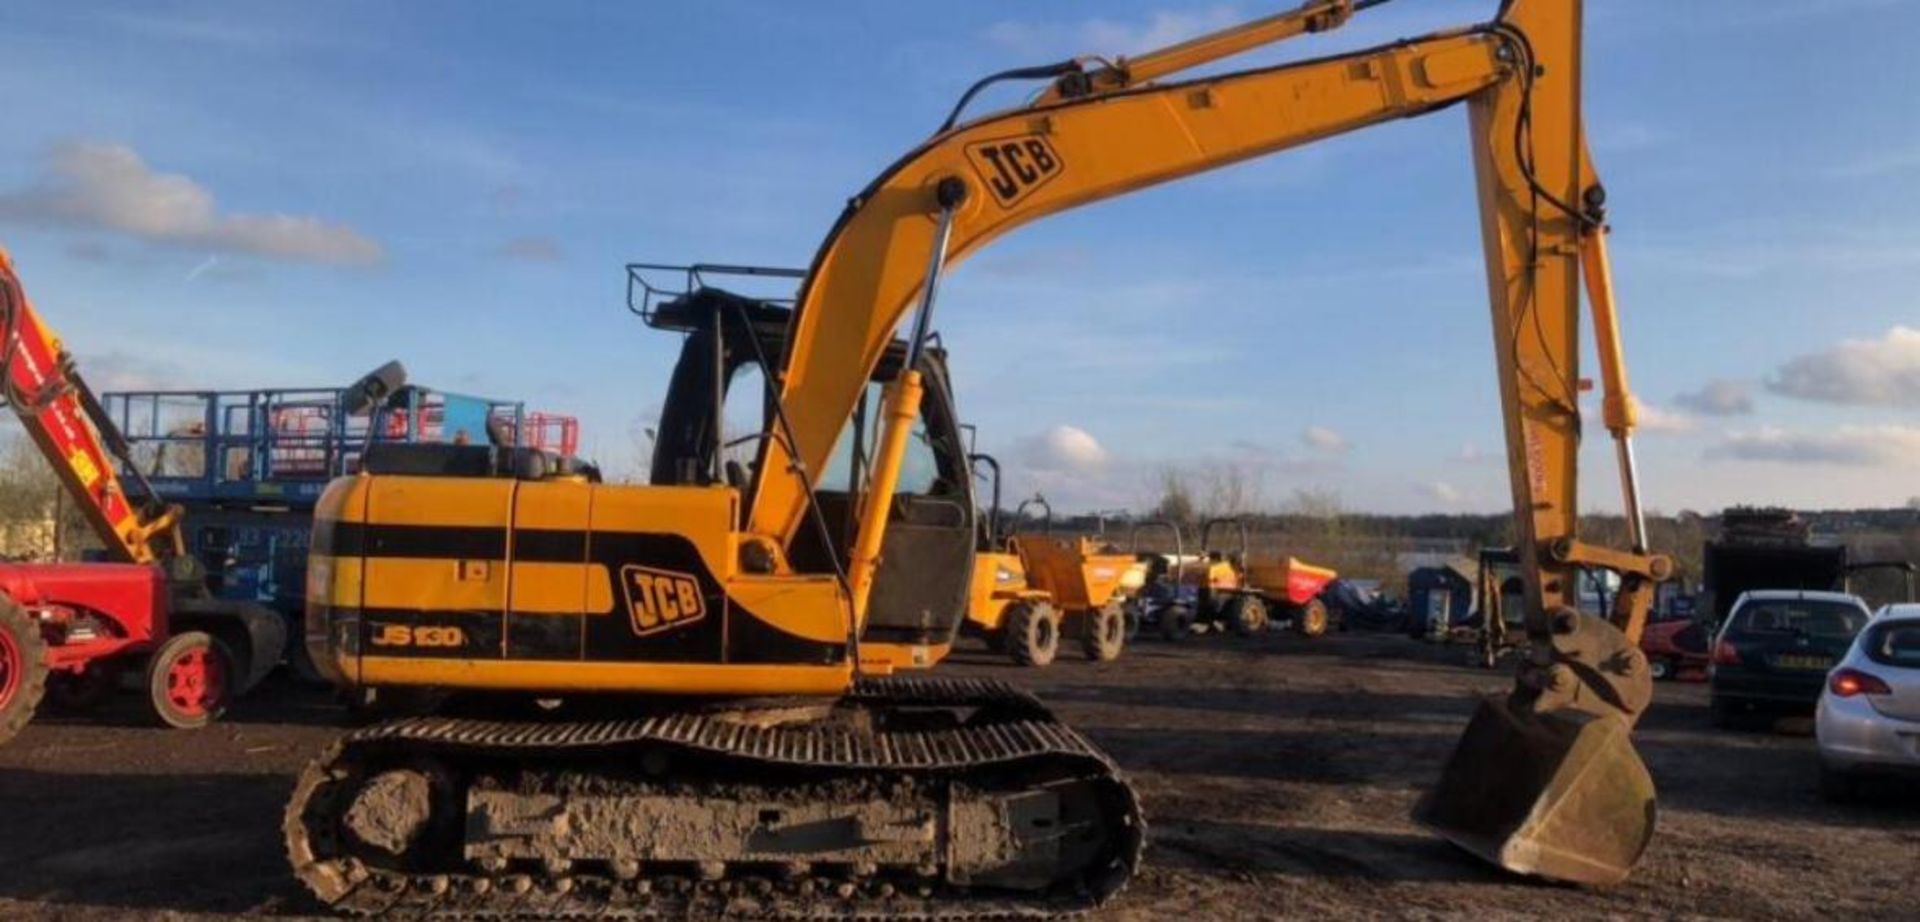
(731, 751)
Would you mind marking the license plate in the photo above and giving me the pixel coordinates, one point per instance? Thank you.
(1803, 662)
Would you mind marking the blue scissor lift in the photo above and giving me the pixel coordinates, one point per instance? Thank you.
(248, 467)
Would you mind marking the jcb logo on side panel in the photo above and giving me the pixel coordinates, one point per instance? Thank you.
(661, 599)
(1014, 167)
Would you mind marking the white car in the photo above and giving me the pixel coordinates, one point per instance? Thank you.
(1868, 721)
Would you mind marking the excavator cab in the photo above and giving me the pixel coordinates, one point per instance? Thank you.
(920, 592)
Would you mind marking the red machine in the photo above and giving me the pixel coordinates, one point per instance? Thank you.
(551, 432)
(1676, 650)
(72, 629)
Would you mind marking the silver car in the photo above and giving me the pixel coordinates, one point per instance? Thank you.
(1868, 721)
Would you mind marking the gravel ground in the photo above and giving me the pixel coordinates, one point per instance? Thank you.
(1277, 775)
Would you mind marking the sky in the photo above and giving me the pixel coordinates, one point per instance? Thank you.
(228, 195)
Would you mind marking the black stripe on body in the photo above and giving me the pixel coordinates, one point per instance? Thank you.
(358, 539)
(728, 632)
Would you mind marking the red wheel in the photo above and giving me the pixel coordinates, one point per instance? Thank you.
(12, 669)
(188, 680)
(23, 669)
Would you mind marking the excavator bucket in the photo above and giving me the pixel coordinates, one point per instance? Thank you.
(1560, 794)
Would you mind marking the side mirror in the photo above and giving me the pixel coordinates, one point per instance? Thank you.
(374, 388)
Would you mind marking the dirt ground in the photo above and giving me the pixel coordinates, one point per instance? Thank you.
(1277, 775)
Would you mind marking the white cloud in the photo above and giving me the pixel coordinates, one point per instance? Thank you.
(1661, 420)
(1064, 449)
(1321, 438)
(119, 370)
(1856, 446)
(1863, 372)
(1442, 492)
(1471, 453)
(1109, 36)
(1720, 397)
(1164, 27)
(102, 186)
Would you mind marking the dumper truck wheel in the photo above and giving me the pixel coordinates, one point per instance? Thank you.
(23, 669)
(1247, 615)
(1312, 618)
(1033, 633)
(1104, 633)
(189, 680)
(1130, 613)
(1176, 623)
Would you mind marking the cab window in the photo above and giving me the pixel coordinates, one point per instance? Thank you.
(919, 469)
(743, 417)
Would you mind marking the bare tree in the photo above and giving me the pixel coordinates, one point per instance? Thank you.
(36, 521)
(1317, 503)
(1316, 526)
(1232, 489)
(1175, 503)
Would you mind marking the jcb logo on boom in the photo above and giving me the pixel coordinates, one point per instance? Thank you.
(661, 599)
(1013, 167)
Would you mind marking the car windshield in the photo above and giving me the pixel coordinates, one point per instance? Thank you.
(1896, 644)
(1804, 617)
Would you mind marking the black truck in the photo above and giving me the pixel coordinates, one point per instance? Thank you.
(1774, 549)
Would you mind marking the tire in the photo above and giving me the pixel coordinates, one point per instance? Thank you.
(1660, 668)
(1312, 619)
(78, 693)
(1176, 623)
(23, 669)
(1246, 614)
(1033, 633)
(1103, 633)
(1130, 613)
(189, 680)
